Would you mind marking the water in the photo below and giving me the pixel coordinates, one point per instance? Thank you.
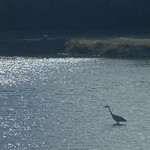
(57, 104)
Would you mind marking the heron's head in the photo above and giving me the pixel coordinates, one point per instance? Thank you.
(106, 106)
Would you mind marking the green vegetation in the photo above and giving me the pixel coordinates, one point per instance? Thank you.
(38, 15)
(109, 47)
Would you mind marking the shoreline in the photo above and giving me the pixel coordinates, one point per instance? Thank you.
(61, 45)
(116, 47)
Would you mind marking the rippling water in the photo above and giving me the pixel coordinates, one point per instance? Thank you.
(57, 104)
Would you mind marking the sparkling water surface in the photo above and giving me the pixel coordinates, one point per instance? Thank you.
(57, 104)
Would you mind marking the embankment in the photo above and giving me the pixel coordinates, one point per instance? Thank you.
(109, 47)
(61, 45)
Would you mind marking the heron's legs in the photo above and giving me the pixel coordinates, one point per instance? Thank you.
(117, 124)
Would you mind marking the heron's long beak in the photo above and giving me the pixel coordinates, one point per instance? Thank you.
(106, 106)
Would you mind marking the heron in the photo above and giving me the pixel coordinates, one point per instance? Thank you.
(118, 119)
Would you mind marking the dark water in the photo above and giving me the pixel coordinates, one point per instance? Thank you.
(57, 104)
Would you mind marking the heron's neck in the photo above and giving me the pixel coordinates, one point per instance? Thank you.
(110, 110)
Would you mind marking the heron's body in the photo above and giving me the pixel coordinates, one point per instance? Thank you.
(115, 117)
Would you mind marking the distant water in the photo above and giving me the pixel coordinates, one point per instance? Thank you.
(57, 104)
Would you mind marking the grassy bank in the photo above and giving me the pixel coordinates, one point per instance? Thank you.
(109, 47)
(62, 44)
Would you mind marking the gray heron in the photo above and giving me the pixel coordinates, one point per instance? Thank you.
(115, 117)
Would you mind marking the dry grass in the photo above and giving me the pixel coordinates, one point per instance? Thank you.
(113, 47)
